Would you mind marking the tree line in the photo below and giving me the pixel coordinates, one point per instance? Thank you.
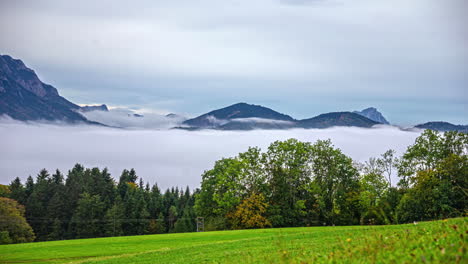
(89, 203)
(292, 183)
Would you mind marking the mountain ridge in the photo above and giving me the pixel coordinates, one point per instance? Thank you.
(242, 110)
(23, 96)
(243, 116)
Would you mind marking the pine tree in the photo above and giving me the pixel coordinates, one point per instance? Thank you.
(17, 191)
(114, 219)
(74, 187)
(155, 205)
(36, 205)
(87, 219)
(185, 223)
(171, 218)
(57, 230)
(28, 188)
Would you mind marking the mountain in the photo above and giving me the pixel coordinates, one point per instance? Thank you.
(373, 114)
(244, 116)
(241, 116)
(172, 115)
(176, 117)
(443, 126)
(24, 97)
(89, 108)
(336, 119)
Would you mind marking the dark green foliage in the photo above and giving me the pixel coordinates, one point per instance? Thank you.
(157, 226)
(435, 177)
(114, 219)
(57, 230)
(303, 184)
(87, 219)
(88, 203)
(5, 238)
(186, 222)
(17, 191)
(316, 184)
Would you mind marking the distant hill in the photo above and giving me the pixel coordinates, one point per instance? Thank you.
(172, 115)
(443, 126)
(336, 119)
(237, 114)
(24, 97)
(373, 114)
(244, 116)
(89, 108)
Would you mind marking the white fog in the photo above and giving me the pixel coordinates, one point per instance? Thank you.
(168, 157)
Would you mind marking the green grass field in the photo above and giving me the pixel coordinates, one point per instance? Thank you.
(425, 242)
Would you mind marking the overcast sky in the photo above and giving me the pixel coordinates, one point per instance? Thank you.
(407, 58)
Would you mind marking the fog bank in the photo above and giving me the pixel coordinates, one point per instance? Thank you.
(168, 157)
(126, 118)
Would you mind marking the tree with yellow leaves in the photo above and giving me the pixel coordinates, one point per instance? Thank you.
(250, 213)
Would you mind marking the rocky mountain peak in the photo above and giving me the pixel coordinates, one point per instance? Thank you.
(24, 96)
(373, 114)
(16, 71)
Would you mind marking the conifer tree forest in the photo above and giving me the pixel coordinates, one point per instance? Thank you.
(291, 183)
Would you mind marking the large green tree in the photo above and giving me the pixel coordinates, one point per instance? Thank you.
(434, 174)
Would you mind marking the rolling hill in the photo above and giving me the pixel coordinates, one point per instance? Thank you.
(443, 126)
(336, 119)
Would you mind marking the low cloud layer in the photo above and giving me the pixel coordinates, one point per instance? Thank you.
(262, 121)
(168, 157)
(126, 118)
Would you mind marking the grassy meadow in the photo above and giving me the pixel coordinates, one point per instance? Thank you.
(425, 242)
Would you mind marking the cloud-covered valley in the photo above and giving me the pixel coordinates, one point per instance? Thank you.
(168, 157)
(130, 119)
